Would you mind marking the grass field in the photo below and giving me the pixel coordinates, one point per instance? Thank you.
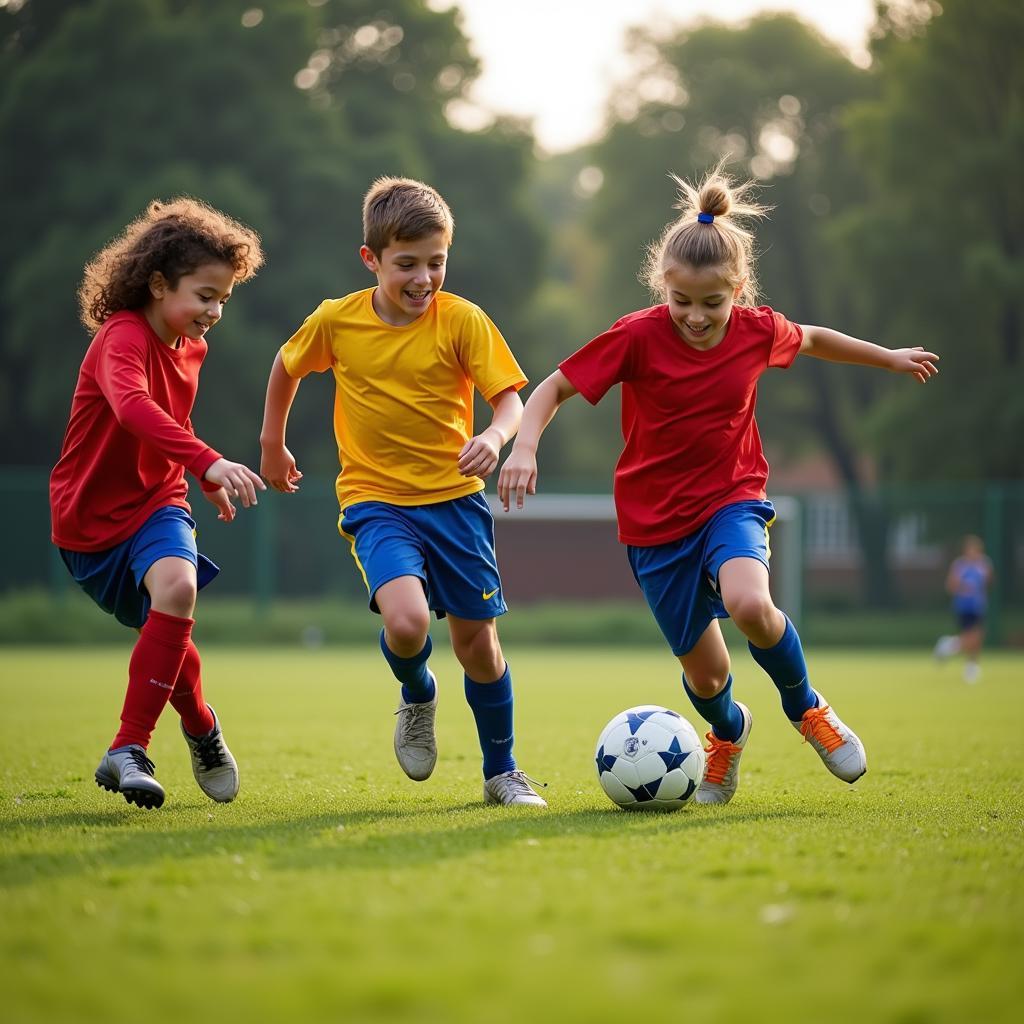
(334, 889)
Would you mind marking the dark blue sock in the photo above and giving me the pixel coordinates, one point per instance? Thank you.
(788, 670)
(412, 673)
(720, 711)
(491, 704)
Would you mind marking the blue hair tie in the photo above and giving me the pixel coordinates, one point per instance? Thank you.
(705, 218)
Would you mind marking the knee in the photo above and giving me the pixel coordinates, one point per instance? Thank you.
(407, 631)
(175, 595)
(707, 683)
(755, 615)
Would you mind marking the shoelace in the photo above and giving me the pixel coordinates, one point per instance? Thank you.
(720, 754)
(416, 726)
(141, 762)
(817, 728)
(519, 782)
(209, 750)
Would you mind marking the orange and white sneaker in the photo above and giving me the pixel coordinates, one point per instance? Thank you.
(722, 764)
(837, 745)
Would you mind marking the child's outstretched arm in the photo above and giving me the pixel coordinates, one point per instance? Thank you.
(824, 343)
(479, 455)
(277, 464)
(519, 473)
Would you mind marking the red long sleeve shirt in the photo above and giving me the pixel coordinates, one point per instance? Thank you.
(129, 439)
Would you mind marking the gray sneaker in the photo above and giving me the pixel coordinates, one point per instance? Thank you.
(212, 764)
(512, 788)
(128, 771)
(837, 745)
(415, 743)
(722, 764)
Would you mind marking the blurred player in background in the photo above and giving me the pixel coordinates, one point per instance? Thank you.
(968, 581)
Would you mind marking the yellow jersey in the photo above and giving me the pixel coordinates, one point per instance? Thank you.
(403, 402)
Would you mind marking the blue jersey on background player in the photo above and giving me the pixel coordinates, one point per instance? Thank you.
(968, 582)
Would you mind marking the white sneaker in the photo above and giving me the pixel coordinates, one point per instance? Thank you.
(722, 764)
(415, 743)
(212, 764)
(837, 745)
(946, 647)
(972, 672)
(128, 771)
(512, 788)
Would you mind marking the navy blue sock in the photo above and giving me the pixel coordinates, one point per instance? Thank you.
(491, 704)
(720, 711)
(788, 670)
(412, 673)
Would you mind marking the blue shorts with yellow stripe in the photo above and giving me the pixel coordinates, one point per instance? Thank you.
(113, 578)
(449, 546)
(680, 579)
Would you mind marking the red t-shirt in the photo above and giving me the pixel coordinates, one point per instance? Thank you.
(129, 439)
(692, 445)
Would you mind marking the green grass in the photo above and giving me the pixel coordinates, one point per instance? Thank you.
(334, 889)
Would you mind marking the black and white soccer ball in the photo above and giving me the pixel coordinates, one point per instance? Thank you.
(649, 758)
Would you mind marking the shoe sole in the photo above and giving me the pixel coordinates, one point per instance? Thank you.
(144, 798)
(415, 778)
(491, 802)
(854, 779)
(218, 798)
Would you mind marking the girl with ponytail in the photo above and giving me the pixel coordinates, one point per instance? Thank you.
(690, 483)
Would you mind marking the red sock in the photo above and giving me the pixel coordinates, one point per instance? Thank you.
(187, 698)
(154, 666)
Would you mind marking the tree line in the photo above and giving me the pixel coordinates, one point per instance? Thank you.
(898, 214)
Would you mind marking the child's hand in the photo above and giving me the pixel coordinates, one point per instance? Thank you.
(220, 500)
(479, 455)
(237, 480)
(915, 361)
(278, 466)
(518, 475)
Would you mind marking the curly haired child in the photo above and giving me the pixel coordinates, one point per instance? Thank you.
(118, 493)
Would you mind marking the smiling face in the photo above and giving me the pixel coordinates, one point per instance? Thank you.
(409, 275)
(193, 305)
(699, 302)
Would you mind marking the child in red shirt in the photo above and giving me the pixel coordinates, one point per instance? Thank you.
(117, 495)
(690, 484)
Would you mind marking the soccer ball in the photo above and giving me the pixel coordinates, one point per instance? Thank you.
(649, 758)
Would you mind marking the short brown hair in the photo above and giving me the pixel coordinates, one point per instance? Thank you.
(403, 210)
(174, 239)
(717, 241)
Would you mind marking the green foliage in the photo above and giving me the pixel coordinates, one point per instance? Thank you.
(335, 889)
(110, 103)
(942, 229)
(898, 214)
(769, 94)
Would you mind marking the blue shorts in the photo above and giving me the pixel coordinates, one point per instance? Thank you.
(968, 613)
(113, 578)
(680, 579)
(448, 545)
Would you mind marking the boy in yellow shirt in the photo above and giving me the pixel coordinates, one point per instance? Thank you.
(406, 358)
